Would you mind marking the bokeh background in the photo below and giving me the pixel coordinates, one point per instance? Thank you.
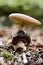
(32, 8)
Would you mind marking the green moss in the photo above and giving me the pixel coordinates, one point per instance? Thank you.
(8, 54)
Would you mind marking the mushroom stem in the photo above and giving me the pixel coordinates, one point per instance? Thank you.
(19, 26)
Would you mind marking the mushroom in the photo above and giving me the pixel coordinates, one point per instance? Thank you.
(22, 20)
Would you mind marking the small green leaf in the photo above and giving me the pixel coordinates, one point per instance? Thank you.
(8, 54)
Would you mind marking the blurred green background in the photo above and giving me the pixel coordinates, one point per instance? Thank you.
(32, 8)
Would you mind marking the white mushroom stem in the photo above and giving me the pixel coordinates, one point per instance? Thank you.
(19, 27)
(15, 29)
(24, 58)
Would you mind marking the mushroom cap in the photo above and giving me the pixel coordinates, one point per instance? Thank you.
(23, 19)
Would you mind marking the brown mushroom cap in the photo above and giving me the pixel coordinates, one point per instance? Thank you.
(23, 19)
